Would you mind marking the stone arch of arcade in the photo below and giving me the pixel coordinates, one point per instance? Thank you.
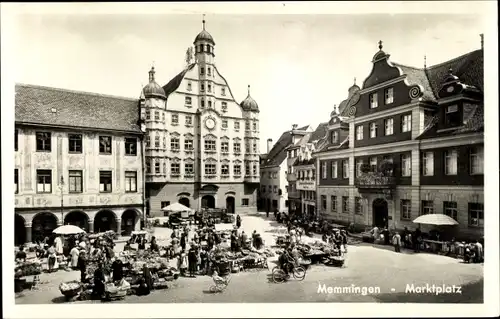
(130, 221)
(105, 220)
(77, 218)
(42, 225)
(20, 233)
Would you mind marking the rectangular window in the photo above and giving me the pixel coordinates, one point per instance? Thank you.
(75, 143)
(188, 145)
(345, 169)
(389, 96)
(476, 214)
(189, 88)
(452, 116)
(224, 106)
(236, 125)
(148, 166)
(223, 91)
(148, 114)
(359, 163)
(247, 169)
(164, 204)
(188, 100)
(209, 104)
(373, 164)
(345, 204)
(75, 182)
(209, 87)
(175, 119)
(428, 164)
(255, 170)
(130, 182)
(175, 169)
(333, 199)
(427, 207)
(224, 123)
(157, 141)
(174, 144)
(450, 162)
(275, 189)
(157, 168)
(476, 156)
(16, 181)
(210, 169)
(359, 132)
(44, 181)
(406, 165)
(189, 120)
(254, 126)
(450, 209)
(131, 146)
(237, 170)
(247, 126)
(189, 168)
(202, 71)
(405, 209)
(202, 103)
(224, 169)
(209, 70)
(210, 145)
(334, 169)
(406, 123)
(373, 130)
(105, 181)
(237, 147)
(254, 148)
(389, 126)
(373, 100)
(43, 142)
(157, 115)
(244, 202)
(358, 205)
(224, 147)
(105, 145)
(16, 139)
(323, 170)
(335, 137)
(263, 189)
(323, 202)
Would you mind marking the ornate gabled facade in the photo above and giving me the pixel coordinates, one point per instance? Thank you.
(274, 192)
(412, 145)
(202, 147)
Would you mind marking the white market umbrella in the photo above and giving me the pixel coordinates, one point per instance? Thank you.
(68, 230)
(176, 207)
(435, 219)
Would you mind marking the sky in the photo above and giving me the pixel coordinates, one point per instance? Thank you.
(298, 66)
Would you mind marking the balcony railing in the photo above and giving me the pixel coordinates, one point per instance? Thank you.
(372, 180)
(291, 177)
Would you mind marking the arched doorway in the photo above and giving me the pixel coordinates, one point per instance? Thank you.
(208, 201)
(380, 212)
(105, 220)
(42, 226)
(19, 230)
(185, 201)
(129, 220)
(230, 203)
(77, 218)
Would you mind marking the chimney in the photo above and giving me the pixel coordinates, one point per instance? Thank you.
(269, 145)
(482, 41)
(294, 126)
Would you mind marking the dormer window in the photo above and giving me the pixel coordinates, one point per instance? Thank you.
(452, 116)
(389, 96)
(373, 100)
(335, 137)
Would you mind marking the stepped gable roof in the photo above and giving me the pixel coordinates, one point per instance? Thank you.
(174, 84)
(60, 107)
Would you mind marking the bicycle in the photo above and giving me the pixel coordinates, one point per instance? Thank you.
(279, 275)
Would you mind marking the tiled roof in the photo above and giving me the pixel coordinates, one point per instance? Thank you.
(319, 133)
(60, 107)
(173, 84)
(278, 153)
(418, 76)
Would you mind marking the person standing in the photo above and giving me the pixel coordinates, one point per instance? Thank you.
(58, 245)
(183, 241)
(192, 262)
(417, 238)
(82, 265)
(396, 241)
(52, 257)
(75, 253)
(238, 221)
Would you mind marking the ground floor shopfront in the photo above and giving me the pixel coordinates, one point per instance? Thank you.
(345, 204)
(36, 224)
(236, 198)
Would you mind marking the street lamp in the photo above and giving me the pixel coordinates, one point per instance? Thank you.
(61, 185)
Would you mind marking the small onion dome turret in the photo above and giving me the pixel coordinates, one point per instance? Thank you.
(354, 88)
(249, 103)
(380, 54)
(153, 89)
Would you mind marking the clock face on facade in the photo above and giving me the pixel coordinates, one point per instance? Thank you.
(210, 123)
(450, 89)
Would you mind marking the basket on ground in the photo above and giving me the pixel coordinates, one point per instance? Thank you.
(70, 289)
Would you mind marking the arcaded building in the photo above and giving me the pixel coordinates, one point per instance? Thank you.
(202, 146)
(408, 142)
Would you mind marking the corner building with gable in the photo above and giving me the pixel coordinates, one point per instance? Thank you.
(409, 142)
(202, 147)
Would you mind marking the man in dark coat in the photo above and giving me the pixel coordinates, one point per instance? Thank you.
(183, 241)
(238, 221)
(192, 262)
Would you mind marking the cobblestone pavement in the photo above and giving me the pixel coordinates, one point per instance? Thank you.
(387, 272)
